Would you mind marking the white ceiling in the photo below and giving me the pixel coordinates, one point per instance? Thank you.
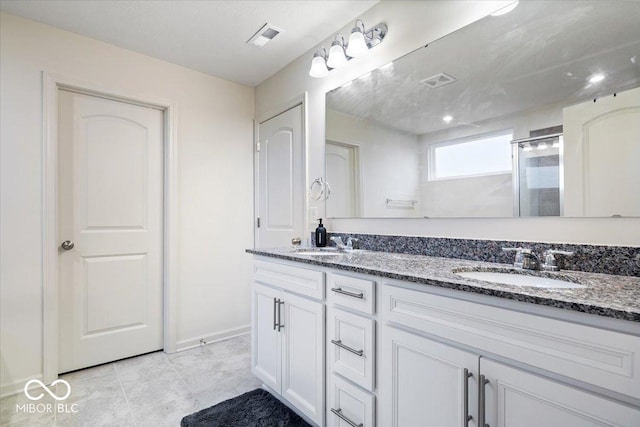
(205, 35)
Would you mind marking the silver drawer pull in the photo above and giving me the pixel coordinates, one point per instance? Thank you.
(350, 294)
(340, 415)
(339, 344)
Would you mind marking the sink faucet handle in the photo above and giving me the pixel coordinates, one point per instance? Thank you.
(558, 252)
(552, 263)
(525, 258)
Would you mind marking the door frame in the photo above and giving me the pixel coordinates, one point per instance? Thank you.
(357, 172)
(260, 119)
(51, 84)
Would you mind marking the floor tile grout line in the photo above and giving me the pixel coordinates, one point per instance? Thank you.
(125, 396)
(177, 373)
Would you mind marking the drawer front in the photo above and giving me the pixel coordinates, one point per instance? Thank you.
(351, 347)
(348, 405)
(351, 292)
(596, 356)
(302, 281)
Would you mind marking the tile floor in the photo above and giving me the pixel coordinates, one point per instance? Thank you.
(154, 390)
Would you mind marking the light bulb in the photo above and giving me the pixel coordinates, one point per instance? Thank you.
(357, 45)
(318, 67)
(337, 57)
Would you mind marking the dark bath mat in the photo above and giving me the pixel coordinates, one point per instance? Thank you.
(257, 408)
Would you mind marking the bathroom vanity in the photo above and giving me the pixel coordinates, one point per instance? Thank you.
(368, 338)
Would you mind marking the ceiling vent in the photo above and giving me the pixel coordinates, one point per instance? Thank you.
(264, 35)
(438, 80)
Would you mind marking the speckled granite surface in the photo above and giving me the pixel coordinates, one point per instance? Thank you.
(620, 260)
(605, 295)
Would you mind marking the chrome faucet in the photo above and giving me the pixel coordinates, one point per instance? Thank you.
(339, 243)
(552, 263)
(349, 246)
(525, 258)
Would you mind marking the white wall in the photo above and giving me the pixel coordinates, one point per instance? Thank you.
(412, 24)
(389, 163)
(215, 131)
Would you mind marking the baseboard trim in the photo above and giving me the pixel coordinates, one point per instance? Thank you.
(17, 386)
(194, 342)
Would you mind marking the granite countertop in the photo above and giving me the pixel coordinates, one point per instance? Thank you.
(605, 295)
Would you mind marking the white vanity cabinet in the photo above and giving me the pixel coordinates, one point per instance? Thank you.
(431, 383)
(401, 354)
(516, 398)
(351, 351)
(288, 334)
(431, 380)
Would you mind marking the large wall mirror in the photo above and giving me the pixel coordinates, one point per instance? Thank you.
(532, 113)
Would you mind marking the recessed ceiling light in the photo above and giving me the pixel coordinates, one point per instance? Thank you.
(505, 9)
(596, 78)
(447, 119)
(264, 35)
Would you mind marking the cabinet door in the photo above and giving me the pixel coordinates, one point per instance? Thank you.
(302, 355)
(515, 398)
(423, 382)
(266, 348)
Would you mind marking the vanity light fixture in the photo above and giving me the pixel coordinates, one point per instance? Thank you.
(337, 57)
(357, 45)
(508, 8)
(596, 78)
(447, 119)
(319, 64)
(360, 41)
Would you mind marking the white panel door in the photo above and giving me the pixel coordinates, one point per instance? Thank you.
(303, 355)
(110, 205)
(266, 349)
(515, 398)
(342, 178)
(601, 156)
(281, 188)
(423, 382)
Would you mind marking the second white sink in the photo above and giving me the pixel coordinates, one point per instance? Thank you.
(515, 279)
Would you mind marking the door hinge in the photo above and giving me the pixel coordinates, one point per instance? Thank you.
(258, 146)
(258, 222)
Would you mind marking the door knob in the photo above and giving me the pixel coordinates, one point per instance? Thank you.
(67, 245)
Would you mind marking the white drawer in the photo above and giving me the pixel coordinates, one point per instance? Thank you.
(302, 281)
(351, 347)
(596, 356)
(357, 294)
(347, 402)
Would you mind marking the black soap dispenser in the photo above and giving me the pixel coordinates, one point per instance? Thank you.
(321, 235)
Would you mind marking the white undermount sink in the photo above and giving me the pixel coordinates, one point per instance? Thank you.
(515, 279)
(317, 251)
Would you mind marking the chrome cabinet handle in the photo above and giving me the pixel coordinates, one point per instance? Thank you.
(339, 344)
(350, 294)
(67, 245)
(340, 415)
(481, 401)
(280, 325)
(275, 322)
(467, 417)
